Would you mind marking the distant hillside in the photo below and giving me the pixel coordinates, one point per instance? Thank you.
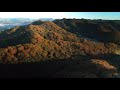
(46, 19)
(101, 30)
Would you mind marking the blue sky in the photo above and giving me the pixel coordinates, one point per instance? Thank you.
(98, 15)
(87, 15)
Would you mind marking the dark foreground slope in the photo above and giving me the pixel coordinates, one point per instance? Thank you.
(66, 68)
(44, 49)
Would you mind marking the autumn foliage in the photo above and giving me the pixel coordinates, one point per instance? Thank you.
(46, 40)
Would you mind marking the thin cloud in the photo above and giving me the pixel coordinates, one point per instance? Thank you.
(87, 15)
(32, 15)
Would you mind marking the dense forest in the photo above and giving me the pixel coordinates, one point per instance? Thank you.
(66, 46)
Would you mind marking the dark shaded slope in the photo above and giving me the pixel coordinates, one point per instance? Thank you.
(64, 68)
(14, 36)
(101, 30)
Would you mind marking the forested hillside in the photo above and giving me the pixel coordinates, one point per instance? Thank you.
(76, 43)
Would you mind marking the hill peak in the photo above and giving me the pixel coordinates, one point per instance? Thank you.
(38, 22)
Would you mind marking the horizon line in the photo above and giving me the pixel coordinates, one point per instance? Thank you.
(58, 18)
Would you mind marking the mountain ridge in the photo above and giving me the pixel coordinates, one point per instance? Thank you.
(48, 33)
(49, 42)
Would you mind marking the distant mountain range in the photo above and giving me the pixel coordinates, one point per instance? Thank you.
(7, 23)
(46, 19)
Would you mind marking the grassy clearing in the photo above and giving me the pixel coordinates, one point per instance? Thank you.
(117, 51)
